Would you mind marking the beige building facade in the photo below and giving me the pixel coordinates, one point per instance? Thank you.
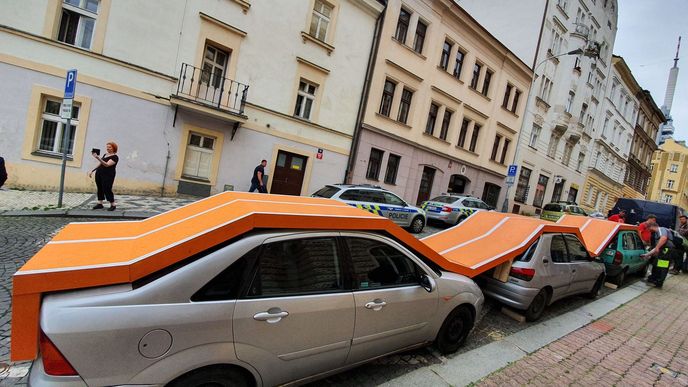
(196, 94)
(669, 183)
(444, 108)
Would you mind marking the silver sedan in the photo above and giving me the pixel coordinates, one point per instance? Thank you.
(270, 308)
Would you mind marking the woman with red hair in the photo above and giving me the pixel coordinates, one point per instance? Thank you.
(105, 175)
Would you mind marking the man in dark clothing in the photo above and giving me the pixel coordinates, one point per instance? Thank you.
(662, 252)
(682, 264)
(257, 178)
(3, 172)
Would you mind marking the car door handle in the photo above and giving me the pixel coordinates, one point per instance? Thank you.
(271, 316)
(574, 270)
(375, 305)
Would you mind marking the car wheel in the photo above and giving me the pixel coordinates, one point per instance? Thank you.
(417, 224)
(460, 219)
(454, 330)
(595, 291)
(621, 277)
(538, 305)
(214, 376)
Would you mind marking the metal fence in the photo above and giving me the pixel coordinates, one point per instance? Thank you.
(211, 88)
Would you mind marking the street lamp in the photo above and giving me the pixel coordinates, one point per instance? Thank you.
(591, 50)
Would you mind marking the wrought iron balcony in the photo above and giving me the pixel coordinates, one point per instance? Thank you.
(211, 88)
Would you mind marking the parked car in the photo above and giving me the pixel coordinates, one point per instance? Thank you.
(453, 209)
(555, 210)
(272, 307)
(637, 211)
(378, 201)
(597, 215)
(622, 256)
(554, 267)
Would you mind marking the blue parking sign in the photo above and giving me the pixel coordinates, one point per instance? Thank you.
(512, 170)
(70, 84)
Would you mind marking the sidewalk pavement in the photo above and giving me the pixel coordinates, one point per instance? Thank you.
(635, 336)
(44, 203)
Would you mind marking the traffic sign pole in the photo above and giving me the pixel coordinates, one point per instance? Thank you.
(66, 113)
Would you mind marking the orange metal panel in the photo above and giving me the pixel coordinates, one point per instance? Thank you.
(597, 233)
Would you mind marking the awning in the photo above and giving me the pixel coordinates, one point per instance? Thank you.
(597, 233)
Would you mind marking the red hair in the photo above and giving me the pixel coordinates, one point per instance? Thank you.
(113, 145)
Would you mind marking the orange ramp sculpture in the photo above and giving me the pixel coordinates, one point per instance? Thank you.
(92, 254)
(597, 233)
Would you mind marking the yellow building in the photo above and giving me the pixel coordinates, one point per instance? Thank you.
(670, 174)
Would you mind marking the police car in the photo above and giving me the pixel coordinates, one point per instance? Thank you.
(378, 201)
(452, 209)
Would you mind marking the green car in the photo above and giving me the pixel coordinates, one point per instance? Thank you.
(622, 256)
(555, 210)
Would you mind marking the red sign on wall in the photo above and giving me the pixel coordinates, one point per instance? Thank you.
(319, 156)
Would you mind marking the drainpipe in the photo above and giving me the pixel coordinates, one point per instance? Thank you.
(353, 152)
(164, 174)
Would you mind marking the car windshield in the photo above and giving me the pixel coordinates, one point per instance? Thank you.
(325, 192)
(553, 207)
(445, 199)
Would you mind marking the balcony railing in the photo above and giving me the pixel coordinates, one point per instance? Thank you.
(209, 87)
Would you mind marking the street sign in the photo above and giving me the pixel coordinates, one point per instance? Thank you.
(512, 170)
(70, 84)
(66, 109)
(510, 180)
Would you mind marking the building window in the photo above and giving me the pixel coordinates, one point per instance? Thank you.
(476, 76)
(670, 184)
(581, 158)
(374, 163)
(514, 105)
(404, 105)
(78, 22)
(320, 20)
(305, 99)
(402, 26)
(432, 118)
(522, 187)
(463, 133)
(460, 55)
(444, 59)
(53, 129)
(392, 168)
(387, 96)
(534, 135)
(569, 101)
(474, 137)
(198, 159)
(546, 89)
(553, 145)
(505, 149)
(214, 65)
(674, 168)
(421, 28)
(486, 82)
(507, 96)
(668, 198)
(445, 124)
(540, 191)
(568, 149)
(495, 147)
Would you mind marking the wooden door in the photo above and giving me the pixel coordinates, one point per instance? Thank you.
(288, 176)
(425, 185)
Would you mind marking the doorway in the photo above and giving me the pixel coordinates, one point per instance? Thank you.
(425, 185)
(491, 194)
(457, 184)
(558, 189)
(289, 172)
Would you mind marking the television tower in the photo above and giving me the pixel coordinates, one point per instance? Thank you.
(666, 130)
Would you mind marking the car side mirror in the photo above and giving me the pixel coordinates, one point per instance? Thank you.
(428, 283)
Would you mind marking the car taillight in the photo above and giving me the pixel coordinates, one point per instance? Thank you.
(53, 362)
(446, 209)
(523, 273)
(618, 257)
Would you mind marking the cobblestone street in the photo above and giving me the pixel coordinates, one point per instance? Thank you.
(643, 343)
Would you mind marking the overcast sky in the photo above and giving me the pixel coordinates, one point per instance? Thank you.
(646, 37)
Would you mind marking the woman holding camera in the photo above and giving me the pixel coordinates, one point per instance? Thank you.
(105, 175)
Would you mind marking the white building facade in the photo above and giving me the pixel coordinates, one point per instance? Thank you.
(195, 94)
(564, 111)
